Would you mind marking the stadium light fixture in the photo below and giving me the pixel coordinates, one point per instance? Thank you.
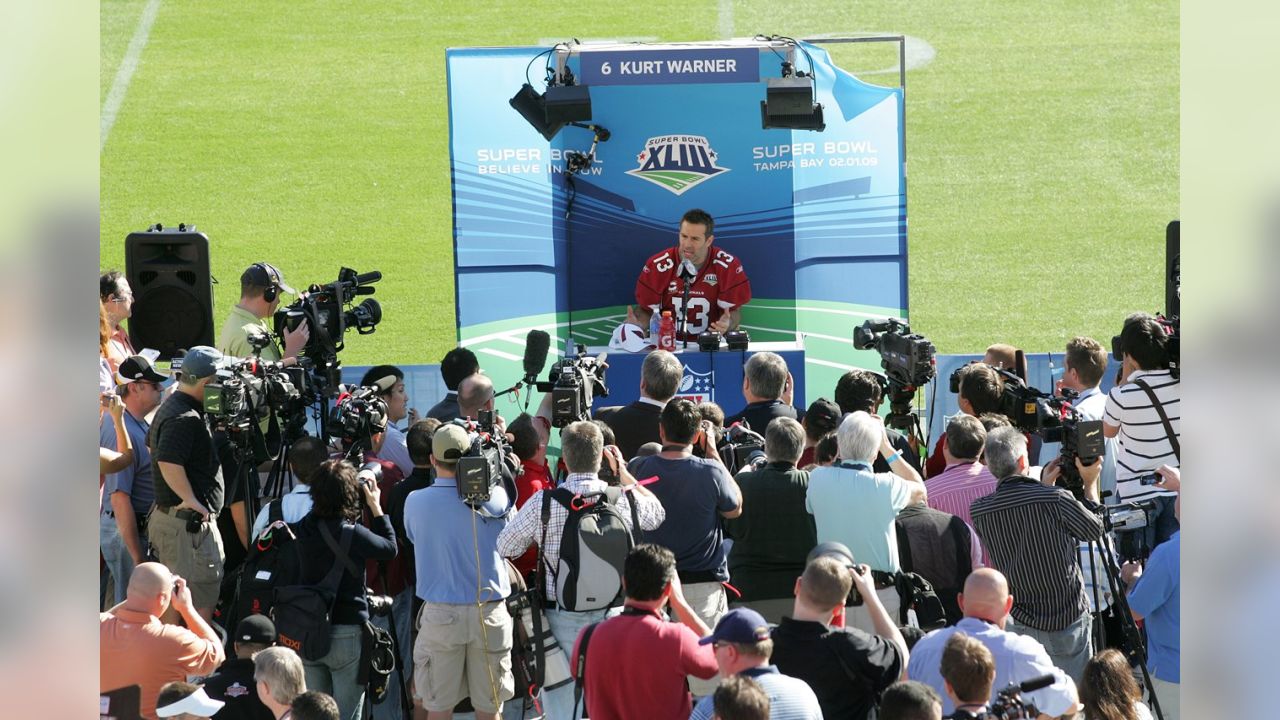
(791, 100)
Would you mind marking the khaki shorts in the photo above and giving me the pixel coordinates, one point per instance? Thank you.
(197, 557)
(463, 651)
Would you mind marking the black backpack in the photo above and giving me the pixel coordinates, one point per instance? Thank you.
(303, 613)
(274, 559)
(593, 548)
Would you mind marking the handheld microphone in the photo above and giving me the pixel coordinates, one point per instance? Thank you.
(536, 345)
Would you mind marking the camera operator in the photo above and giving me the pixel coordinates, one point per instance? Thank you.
(305, 455)
(1155, 596)
(986, 603)
(768, 387)
(457, 365)
(805, 641)
(129, 493)
(584, 452)
(774, 534)
(1032, 530)
(855, 506)
(968, 674)
(861, 390)
(981, 388)
(464, 629)
(389, 380)
(696, 493)
(338, 496)
(1146, 440)
(1083, 365)
(636, 424)
(260, 288)
(188, 483)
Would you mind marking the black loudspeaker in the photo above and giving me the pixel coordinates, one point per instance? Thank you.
(168, 270)
(1172, 269)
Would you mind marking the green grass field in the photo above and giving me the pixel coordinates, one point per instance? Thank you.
(1042, 145)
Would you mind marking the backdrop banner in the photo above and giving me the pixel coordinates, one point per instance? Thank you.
(818, 219)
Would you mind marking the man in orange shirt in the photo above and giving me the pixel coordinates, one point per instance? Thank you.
(137, 649)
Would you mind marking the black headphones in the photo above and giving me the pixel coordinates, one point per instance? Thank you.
(272, 291)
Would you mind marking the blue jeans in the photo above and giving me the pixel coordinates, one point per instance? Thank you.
(1069, 648)
(335, 674)
(557, 704)
(402, 612)
(119, 561)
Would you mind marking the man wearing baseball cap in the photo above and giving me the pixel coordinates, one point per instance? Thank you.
(464, 629)
(742, 646)
(188, 483)
(233, 682)
(183, 701)
(261, 286)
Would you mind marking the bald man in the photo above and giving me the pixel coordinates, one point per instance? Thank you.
(985, 603)
(135, 648)
(475, 393)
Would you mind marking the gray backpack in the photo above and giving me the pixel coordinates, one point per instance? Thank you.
(593, 549)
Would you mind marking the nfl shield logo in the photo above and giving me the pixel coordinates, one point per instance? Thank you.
(697, 387)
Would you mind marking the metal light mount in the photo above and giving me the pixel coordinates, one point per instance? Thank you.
(791, 100)
(563, 103)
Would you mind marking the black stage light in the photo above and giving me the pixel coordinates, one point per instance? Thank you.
(737, 339)
(548, 113)
(789, 103)
(532, 107)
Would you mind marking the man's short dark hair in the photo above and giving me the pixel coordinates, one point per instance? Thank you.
(969, 666)
(377, 373)
(458, 364)
(827, 449)
(713, 412)
(525, 440)
(418, 440)
(858, 390)
(647, 571)
(740, 698)
(606, 432)
(1088, 358)
(1144, 339)
(314, 705)
(680, 420)
(994, 420)
(965, 437)
(305, 455)
(698, 216)
(910, 700)
(982, 386)
(109, 284)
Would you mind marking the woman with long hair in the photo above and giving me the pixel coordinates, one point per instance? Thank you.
(338, 500)
(1109, 691)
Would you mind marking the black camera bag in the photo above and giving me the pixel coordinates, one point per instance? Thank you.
(303, 613)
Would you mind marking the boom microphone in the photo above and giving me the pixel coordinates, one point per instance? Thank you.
(536, 345)
(372, 276)
(1037, 683)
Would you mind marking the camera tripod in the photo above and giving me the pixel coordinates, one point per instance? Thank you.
(902, 417)
(1133, 644)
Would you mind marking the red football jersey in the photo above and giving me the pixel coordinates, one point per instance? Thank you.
(720, 285)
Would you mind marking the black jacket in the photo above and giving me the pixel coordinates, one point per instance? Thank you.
(633, 425)
(377, 542)
(759, 414)
(233, 684)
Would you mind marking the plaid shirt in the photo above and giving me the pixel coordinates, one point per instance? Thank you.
(526, 528)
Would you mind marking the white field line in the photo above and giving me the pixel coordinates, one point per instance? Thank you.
(832, 311)
(505, 334)
(838, 366)
(503, 355)
(124, 74)
(724, 17)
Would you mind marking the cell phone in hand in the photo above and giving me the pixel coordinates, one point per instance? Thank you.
(1151, 479)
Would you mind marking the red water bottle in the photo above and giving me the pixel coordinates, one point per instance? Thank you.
(667, 332)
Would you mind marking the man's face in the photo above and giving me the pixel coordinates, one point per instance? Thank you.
(144, 396)
(122, 301)
(397, 402)
(695, 243)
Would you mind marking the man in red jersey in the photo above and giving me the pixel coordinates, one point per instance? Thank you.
(718, 286)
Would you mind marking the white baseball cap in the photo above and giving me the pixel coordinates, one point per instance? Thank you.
(630, 338)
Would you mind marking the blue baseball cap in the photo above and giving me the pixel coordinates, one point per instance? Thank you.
(201, 361)
(740, 625)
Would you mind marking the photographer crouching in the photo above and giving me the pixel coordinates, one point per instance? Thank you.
(338, 500)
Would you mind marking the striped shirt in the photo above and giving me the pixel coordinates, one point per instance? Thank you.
(526, 528)
(789, 698)
(1033, 532)
(1144, 444)
(955, 489)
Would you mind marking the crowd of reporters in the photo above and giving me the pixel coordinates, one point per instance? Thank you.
(767, 588)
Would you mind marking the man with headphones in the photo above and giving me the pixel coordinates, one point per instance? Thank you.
(260, 289)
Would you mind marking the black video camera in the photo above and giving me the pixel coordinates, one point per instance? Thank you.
(573, 384)
(907, 358)
(1054, 419)
(243, 392)
(480, 469)
(322, 308)
(359, 414)
(742, 448)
